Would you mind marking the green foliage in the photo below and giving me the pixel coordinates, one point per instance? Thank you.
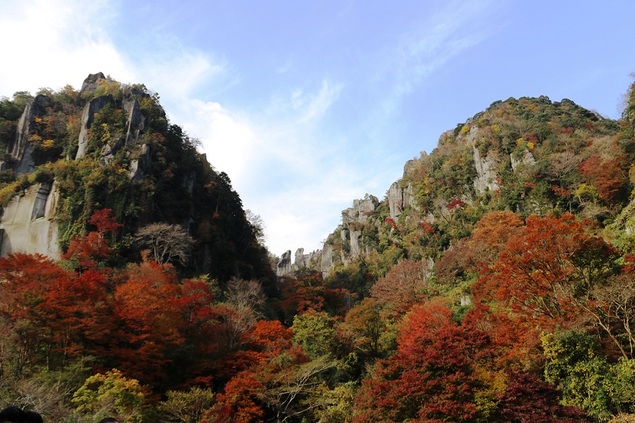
(315, 332)
(162, 178)
(586, 378)
(110, 394)
(437, 319)
(186, 406)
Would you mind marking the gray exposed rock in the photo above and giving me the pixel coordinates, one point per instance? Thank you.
(28, 223)
(21, 150)
(284, 265)
(395, 199)
(326, 263)
(88, 115)
(485, 175)
(91, 83)
(136, 121)
(137, 164)
(39, 205)
(525, 157)
(399, 199)
(361, 210)
(355, 236)
(306, 261)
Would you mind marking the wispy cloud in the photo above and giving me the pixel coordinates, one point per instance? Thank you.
(426, 49)
(287, 161)
(278, 161)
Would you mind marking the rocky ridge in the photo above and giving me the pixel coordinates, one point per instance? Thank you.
(491, 161)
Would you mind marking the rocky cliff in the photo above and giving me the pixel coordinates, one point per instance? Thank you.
(527, 155)
(111, 146)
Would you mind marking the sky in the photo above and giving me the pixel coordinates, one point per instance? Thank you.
(308, 105)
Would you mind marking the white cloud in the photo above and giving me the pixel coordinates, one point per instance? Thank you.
(319, 103)
(50, 43)
(281, 162)
(228, 140)
(175, 71)
(278, 162)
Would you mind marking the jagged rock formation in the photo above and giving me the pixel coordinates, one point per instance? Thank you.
(111, 146)
(91, 83)
(88, 115)
(21, 150)
(301, 262)
(526, 155)
(284, 264)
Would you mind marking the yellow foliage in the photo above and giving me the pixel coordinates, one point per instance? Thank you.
(48, 144)
(105, 137)
(112, 393)
(35, 138)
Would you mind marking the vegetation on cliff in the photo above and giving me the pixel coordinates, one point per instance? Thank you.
(495, 282)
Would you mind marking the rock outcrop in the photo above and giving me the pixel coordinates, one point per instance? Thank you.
(28, 223)
(88, 115)
(301, 262)
(284, 266)
(91, 83)
(21, 150)
(485, 174)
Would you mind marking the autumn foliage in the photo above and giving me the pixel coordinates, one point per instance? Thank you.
(495, 284)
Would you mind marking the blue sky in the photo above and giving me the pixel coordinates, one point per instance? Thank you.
(309, 105)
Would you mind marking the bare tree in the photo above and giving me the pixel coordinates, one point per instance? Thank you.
(167, 243)
(246, 298)
(257, 225)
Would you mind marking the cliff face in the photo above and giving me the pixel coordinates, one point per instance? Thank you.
(528, 155)
(111, 146)
(28, 223)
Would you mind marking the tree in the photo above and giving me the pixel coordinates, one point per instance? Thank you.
(90, 249)
(283, 388)
(612, 306)
(246, 298)
(363, 328)
(527, 399)
(545, 271)
(167, 243)
(110, 394)
(186, 407)
(610, 177)
(26, 323)
(434, 374)
(402, 287)
(151, 325)
(582, 374)
(79, 314)
(315, 332)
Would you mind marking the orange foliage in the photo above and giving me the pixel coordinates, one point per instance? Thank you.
(433, 375)
(402, 287)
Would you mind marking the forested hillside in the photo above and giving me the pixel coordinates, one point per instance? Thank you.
(494, 282)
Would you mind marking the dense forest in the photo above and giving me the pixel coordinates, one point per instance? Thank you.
(502, 289)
